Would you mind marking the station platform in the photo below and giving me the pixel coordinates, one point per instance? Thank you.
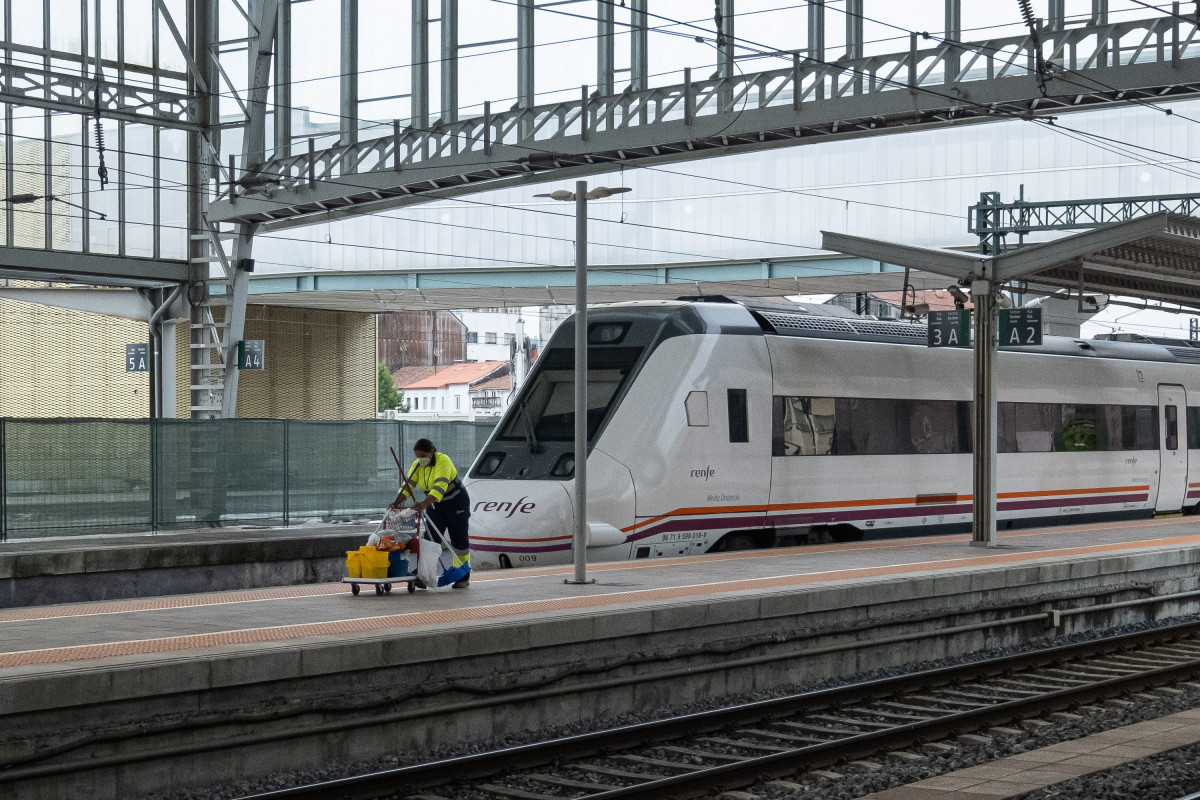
(288, 677)
(68, 569)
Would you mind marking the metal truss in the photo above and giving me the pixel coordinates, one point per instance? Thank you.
(72, 93)
(987, 218)
(807, 100)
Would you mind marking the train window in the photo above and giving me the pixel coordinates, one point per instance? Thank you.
(546, 409)
(869, 426)
(1083, 428)
(1171, 415)
(803, 426)
(1075, 427)
(739, 422)
(1193, 428)
(696, 405)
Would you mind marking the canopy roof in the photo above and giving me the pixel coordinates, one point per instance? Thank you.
(1155, 257)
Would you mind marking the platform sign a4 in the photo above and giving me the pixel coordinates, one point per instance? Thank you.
(949, 328)
(252, 354)
(1020, 327)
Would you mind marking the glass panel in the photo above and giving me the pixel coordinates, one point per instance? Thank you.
(739, 423)
(66, 34)
(547, 408)
(27, 23)
(1171, 415)
(696, 406)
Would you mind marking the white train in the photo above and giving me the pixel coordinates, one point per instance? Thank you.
(735, 424)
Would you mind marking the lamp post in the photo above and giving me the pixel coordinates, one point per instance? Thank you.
(581, 195)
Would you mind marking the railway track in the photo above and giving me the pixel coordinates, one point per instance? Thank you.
(706, 753)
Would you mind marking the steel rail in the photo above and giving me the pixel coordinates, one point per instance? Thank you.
(728, 776)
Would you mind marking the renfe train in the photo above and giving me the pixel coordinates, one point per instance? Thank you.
(717, 425)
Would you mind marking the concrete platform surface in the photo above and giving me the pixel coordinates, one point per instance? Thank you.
(83, 568)
(37, 641)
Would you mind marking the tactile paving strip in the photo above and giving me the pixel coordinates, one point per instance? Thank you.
(285, 633)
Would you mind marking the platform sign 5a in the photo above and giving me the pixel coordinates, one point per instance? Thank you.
(949, 328)
(137, 358)
(1020, 327)
(251, 353)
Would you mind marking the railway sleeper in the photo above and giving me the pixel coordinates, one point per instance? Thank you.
(687, 751)
(835, 733)
(783, 737)
(570, 783)
(602, 769)
(764, 748)
(851, 721)
(517, 794)
(658, 762)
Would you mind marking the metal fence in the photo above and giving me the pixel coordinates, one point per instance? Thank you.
(90, 476)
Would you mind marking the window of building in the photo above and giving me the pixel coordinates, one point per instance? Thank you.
(509, 338)
(472, 337)
(457, 402)
(489, 338)
(416, 404)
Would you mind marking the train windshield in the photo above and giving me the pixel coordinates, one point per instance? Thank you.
(546, 410)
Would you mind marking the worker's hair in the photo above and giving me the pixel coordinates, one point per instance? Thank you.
(425, 446)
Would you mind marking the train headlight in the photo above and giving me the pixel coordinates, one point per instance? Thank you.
(607, 332)
(490, 463)
(564, 467)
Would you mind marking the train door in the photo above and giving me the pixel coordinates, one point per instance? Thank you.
(1172, 453)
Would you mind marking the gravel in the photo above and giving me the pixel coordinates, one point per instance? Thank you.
(854, 782)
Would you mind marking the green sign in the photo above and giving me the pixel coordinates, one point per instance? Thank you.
(251, 353)
(949, 328)
(1020, 327)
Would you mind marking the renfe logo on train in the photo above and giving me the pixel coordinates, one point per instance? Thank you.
(511, 508)
(705, 473)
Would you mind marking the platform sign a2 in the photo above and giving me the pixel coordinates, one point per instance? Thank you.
(137, 358)
(1020, 327)
(949, 328)
(252, 353)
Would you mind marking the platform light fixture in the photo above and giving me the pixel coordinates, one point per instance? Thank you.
(580, 196)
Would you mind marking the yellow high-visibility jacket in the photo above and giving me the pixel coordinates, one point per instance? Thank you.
(434, 480)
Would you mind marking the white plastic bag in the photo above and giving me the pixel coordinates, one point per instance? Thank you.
(429, 567)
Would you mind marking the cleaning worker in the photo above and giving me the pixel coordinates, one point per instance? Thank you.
(446, 503)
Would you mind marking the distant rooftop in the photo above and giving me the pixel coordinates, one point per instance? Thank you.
(457, 374)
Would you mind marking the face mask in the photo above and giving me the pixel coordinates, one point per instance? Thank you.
(424, 462)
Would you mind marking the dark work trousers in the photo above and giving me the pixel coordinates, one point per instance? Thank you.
(450, 517)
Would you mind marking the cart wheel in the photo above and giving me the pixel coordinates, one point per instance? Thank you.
(412, 586)
(387, 588)
(354, 589)
(379, 588)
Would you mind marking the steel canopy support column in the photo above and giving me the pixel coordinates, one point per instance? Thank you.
(449, 61)
(525, 54)
(283, 81)
(639, 56)
(816, 40)
(348, 101)
(235, 317)
(983, 501)
(419, 103)
(854, 29)
(605, 48)
(263, 16)
(579, 540)
(953, 34)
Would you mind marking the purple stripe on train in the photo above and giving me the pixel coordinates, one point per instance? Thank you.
(818, 518)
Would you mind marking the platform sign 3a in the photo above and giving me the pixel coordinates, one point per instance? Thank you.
(1020, 327)
(949, 328)
(251, 353)
(137, 358)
